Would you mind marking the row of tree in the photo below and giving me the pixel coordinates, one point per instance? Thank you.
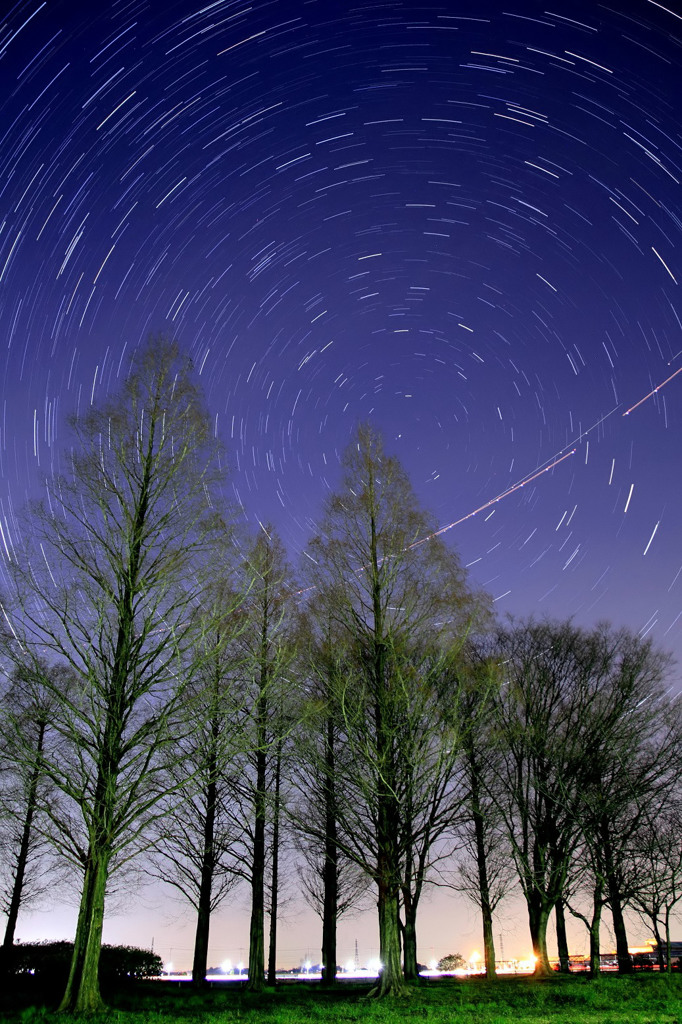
(176, 693)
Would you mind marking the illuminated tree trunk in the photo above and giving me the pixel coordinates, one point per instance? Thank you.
(538, 918)
(390, 981)
(82, 993)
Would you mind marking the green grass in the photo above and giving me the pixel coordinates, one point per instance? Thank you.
(642, 999)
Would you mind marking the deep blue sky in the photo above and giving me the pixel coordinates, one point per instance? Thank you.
(461, 220)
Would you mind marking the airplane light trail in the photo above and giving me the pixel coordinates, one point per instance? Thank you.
(655, 390)
(534, 475)
(499, 497)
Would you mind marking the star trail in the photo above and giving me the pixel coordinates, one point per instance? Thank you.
(459, 220)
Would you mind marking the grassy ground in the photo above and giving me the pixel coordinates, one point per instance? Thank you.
(642, 999)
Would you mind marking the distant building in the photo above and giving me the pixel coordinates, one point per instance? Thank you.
(647, 957)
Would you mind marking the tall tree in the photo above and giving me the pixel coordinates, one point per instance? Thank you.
(195, 842)
(485, 873)
(275, 862)
(428, 772)
(632, 759)
(28, 874)
(567, 705)
(543, 724)
(389, 585)
(657, 849)
(118, 550)
(333, 884)
(267, 645)
(585, 898)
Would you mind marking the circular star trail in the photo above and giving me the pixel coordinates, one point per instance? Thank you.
(459, 220)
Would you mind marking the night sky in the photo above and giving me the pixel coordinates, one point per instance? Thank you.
(459, 220)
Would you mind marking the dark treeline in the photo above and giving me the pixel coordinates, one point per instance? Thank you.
(178, 697)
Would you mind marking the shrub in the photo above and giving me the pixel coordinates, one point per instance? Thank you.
(452, 962)
(49, 961)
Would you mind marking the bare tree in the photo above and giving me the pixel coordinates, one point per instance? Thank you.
(333, 884)
(386, 586)
(657, 849)
(28, 870)
(544, 722)
(570, 759)
(631, 759)
(195, 841)
(429, 770)
(351, 883)
(484, 872)
(267, 646)
(280, 889)
(106, 586)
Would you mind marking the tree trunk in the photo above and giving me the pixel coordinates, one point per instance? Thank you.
(82, 993)
(410, 965)
(200, 962)
(24, 847)
(274, 887)
(410, 900)
(488, 941)
(390, 981)
(622, 952)
(561, 939)
(659, 945)
(330, 880)
(538, 917)
(595, 925)
(482, 866)
(329, 963)
(256, 979)
(614, 900)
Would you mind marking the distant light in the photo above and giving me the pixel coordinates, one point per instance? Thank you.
(226, 967)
